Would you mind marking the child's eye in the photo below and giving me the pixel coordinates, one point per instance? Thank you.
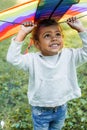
(58, 34)
(47, 36)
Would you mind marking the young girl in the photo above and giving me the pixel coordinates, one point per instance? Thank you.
(52, 70)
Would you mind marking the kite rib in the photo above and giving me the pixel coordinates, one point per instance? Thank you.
(9, 22)
(22, 24)
(77, 18)
(55, 8)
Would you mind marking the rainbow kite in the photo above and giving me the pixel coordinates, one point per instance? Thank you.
(35, 10)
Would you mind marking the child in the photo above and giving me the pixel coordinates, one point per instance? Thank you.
(52, 70)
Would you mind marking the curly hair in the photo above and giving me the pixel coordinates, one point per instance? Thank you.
(44, 23)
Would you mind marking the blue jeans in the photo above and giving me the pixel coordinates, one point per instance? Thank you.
(47, 118)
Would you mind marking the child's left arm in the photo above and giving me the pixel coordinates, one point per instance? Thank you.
(80, 54)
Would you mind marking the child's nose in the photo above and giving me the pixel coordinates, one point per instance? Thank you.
(54, 38)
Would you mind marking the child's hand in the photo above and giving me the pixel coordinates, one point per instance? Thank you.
(74, 23)
(27, 27)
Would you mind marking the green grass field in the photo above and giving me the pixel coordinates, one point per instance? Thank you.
(14, 108)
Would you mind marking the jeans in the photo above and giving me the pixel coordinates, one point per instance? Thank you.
(47, 118)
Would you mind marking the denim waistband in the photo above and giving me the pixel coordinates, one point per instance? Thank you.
(50, 108)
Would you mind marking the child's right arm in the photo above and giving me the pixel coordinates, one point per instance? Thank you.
(25, 29)
(14, 55)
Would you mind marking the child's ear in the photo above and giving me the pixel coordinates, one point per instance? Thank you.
(36, 43)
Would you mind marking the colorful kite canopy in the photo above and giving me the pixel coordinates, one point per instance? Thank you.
(35, 10)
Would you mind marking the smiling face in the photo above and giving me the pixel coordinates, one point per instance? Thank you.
(50, 40)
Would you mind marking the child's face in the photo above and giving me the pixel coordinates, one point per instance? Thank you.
(50, 40)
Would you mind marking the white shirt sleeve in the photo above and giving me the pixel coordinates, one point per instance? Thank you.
(80, 54)
(16, 58)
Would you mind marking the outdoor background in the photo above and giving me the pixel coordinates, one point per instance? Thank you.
(14, 107)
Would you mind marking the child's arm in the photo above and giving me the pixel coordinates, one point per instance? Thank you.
(79, 54)
(14, 55)
(25, 29)
(74, 23)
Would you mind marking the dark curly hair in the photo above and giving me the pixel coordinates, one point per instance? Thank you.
(44, 23)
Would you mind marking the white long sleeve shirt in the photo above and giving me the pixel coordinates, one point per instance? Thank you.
(52, 79)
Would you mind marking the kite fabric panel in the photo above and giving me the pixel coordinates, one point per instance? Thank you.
(11, 18)
(35, 10)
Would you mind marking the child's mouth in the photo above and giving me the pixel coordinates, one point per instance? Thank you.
(54, 45)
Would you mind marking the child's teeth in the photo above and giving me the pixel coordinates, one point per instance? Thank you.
(54, 45)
